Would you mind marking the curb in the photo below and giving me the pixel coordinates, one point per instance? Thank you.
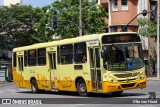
(2, 82)
(156, 79)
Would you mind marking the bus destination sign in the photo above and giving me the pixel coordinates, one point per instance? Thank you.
(120, 38)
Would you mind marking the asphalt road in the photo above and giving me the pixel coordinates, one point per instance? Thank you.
(70, 99)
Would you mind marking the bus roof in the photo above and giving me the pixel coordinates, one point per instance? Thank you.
(85, 38)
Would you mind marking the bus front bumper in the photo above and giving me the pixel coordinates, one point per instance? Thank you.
(119, 86)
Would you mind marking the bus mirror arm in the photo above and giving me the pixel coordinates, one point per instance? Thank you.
(102, 53)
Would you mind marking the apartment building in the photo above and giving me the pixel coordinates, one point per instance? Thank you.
(9, 2)
(122, 12)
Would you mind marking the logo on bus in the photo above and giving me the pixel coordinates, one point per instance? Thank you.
(93, 43)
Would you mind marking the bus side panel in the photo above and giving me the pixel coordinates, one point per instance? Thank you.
(17, 78)
(66, 78)
(85, 74)
(68, 75)
(41, 74)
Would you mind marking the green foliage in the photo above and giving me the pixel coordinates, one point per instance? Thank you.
(68, 18)
(147, 28)
(22, 25)
(43, 27)
(16, 25)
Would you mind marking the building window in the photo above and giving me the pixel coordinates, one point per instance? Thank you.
(41, 56)
(66, 52)
(32, 57)
(80, 55)
(114, 29)
(115, 5)
(124, 29)
(124, 4)
(153, 7)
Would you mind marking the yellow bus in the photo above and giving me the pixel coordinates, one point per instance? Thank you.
(97, 63)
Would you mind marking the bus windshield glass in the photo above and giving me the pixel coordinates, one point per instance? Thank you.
(122, 56)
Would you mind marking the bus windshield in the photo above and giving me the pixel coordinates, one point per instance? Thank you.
(126, 56)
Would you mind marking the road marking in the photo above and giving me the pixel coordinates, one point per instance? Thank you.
(8, 90)
(148, 105)
(11, 90)
(76, 105)
(21, 89)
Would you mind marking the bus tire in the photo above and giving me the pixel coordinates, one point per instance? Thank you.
(34, 86)
(117, 93)
(81, 88)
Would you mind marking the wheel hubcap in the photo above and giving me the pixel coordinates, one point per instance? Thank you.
(33, 87)
(82, 87)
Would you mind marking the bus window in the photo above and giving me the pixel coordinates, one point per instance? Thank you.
(97, 57)
(80, 53)
(52, 59)
(14, 59)
(66, 52)
(32, 57)
(25, 58)
(58, 55)
(20, 62)
(41, 56)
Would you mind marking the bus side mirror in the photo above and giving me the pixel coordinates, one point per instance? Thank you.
(102, 53)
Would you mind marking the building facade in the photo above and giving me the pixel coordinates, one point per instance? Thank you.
(121, 12)
(9, 2)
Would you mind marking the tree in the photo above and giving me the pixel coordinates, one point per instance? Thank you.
(16, 25)
(147, 28)
(68, 18)
(43, 29)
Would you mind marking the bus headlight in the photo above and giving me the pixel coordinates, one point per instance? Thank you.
(109, 78)
(142, 76)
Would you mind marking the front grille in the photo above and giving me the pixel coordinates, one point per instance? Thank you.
(127, 85)
(123, 75)
(127, 80)
(126, 75)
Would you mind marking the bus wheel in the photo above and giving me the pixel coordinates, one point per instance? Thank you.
(34, 86)
(81, 88)
(117, 93)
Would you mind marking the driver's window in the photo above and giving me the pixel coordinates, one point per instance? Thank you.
(119, 54)
(136, 54)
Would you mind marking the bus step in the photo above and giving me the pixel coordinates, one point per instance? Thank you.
(54, 90)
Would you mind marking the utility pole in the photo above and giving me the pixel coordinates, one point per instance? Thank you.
(80, 18)
(158, 15)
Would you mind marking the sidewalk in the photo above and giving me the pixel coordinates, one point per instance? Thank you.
(152, 78)
(2, 82)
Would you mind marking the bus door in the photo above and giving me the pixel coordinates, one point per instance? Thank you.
(20, 69)
(53, 72)
(94, 53)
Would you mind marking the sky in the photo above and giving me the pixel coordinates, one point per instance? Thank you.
(1, 2)
(37, 3)
(34, 3)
